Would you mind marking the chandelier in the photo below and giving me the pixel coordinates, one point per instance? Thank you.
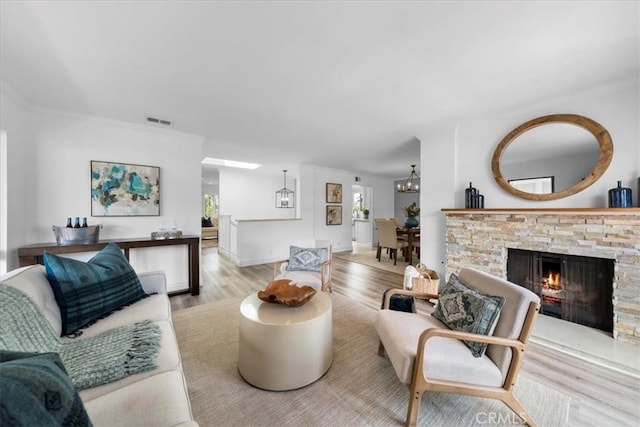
(285, 198)
(412, 184)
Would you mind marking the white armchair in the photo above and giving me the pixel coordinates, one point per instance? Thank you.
(428, 356)
(320, 279)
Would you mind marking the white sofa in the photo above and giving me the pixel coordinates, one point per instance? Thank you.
(154, 398)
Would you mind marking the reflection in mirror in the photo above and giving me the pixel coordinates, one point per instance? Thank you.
(541, 185)
(572, 151)
(566, 152)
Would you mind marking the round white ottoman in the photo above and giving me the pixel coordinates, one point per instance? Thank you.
(284, 348)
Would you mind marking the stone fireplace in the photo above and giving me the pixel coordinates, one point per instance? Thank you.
(482, 239)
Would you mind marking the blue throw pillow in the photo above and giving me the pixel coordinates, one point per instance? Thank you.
(464, 309)
(307, 259)
(36, 391)
(86, 292)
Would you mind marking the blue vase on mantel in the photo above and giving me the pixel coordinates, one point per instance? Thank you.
(411, 222)
(620, 197)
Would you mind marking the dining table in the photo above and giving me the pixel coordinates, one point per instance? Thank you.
(411, 233)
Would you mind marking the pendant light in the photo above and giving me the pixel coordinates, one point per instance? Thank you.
(412, 184)
(285, 198)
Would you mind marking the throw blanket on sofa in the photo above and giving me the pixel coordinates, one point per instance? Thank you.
(89, 361)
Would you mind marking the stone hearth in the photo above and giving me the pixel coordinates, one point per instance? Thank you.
(480, 239)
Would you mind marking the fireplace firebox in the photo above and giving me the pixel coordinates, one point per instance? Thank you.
(573, 288)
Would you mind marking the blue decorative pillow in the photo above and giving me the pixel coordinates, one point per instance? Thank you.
(307, 259)
(36, 391)
(86, 292)
(464, 309)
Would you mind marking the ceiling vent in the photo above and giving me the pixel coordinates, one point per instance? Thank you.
(159, 121)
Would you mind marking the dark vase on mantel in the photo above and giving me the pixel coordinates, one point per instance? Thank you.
(477, 201)
(620, 197)
(469, 195)
(411, 222)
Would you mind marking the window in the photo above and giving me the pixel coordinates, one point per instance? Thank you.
(211, 205)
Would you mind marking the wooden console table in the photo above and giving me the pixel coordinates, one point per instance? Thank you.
(32, 254)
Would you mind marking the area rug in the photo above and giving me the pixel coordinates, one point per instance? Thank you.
(360, 387)
(369, 258)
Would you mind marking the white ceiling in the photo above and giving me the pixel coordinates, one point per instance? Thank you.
(347, 85)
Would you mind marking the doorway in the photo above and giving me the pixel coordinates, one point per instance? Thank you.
(361, 214)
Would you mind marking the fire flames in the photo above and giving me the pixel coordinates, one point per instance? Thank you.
(551, 281)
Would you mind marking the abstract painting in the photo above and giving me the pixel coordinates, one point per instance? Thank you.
(121, 189)
(334, 215)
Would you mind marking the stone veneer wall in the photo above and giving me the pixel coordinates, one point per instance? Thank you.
(480, 239)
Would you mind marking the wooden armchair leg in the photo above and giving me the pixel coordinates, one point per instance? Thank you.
(378, 253)
(380, 349)
(414, 407)
(514, 404)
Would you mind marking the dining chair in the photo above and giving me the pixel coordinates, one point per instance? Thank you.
(399, 224)
(416, 247)
(388, 238)
(398, 221)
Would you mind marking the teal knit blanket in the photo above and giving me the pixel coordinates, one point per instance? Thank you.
(89, 361)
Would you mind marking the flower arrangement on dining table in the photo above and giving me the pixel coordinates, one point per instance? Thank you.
(412, 210)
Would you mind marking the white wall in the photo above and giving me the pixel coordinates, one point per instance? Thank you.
(14, 120)
(63, 146)
(438, 190)
(464, 150)
(251, 194)
(381, 204)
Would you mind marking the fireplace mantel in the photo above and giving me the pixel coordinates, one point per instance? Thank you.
(568, 211)
(480, 238)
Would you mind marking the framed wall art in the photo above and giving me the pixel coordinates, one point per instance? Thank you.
(334, 215)
(121, 189)
(334, 193)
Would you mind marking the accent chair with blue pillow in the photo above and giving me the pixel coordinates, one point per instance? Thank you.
(478, 310)
(307, 266)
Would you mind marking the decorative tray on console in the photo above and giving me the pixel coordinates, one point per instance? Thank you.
(166, 234)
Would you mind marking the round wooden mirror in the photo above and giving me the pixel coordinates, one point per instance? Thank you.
(552, 157)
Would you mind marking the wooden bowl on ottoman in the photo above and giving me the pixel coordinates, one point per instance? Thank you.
(282, 292)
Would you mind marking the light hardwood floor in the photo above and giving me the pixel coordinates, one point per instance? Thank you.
(599, 396)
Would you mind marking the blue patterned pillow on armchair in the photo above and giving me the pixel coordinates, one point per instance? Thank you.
(462, 308)
(307, 259)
